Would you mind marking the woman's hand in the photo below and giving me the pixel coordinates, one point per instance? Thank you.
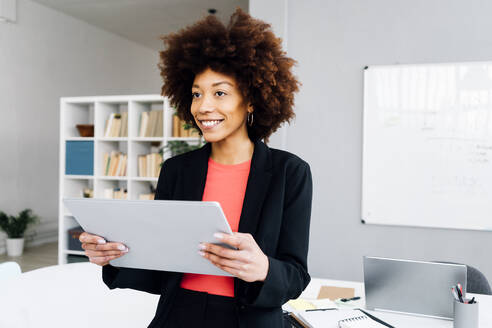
(248, 262)
(99, 251)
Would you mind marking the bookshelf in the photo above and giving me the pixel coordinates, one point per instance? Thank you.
(96, 110)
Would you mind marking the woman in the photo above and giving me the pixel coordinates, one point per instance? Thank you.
(234, 84)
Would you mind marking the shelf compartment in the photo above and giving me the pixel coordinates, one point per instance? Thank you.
(103, 147)
(103, 114)
(75, 187)
(141, 187)
(73, 114)
(103, 188)
(136, 110)
(79, 157)
(139, 148)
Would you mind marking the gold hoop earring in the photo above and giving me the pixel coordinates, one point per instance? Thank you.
(250, 119)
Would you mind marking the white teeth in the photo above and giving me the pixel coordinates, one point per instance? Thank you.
(210, 123)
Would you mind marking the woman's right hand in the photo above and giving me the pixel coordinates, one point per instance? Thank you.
(99, 251)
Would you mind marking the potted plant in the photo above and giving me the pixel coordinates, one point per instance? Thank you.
(15, 227)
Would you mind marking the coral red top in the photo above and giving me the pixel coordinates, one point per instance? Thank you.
(225, 184)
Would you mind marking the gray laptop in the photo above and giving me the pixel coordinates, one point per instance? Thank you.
(413, 287)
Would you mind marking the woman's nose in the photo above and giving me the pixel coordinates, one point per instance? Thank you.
(206, 105)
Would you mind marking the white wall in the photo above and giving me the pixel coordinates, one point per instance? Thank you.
(333, 40)
(44, 56)
(275, 13)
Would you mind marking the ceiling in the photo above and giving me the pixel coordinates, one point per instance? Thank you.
(143, 21)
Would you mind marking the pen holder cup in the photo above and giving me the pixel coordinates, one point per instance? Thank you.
(465, 315)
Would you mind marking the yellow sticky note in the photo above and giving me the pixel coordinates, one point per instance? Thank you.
(301, 305)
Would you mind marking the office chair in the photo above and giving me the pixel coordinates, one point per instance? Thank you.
(9, 270)
(476, 282)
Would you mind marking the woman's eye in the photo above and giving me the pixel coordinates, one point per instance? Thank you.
(220, 93)
(195, 95)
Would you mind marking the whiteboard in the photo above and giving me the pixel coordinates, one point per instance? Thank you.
(427, 145)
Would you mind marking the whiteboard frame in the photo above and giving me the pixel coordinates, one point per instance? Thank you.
(364, 151)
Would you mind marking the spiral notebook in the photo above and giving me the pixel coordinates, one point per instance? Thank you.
(359, 321)
(338, 319)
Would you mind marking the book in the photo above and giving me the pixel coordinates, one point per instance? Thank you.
(360, 321)
(124, 125)
(105, 163)
(118, 167)
(120, 194)
(152, 123)
(115, 129)
(146, 196)
(108, 164)
(160, 124)
(144, 119)
(175, 126)
(109, 125)
(337, 318)
(108, 193)
(113, 162)
(182, 131)
(142, 168)
(123, 166)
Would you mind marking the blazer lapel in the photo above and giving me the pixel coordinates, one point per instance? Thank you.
(259, 178)
(195, 174)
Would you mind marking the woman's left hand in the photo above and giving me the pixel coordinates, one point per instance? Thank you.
(248, 262)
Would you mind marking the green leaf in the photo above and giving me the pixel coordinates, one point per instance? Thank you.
(177, 147)
(15, 227)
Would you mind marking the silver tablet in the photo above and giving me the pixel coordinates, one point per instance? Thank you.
(413, 287)
(160, 234)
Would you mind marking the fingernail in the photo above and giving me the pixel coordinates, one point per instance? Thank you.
(218, 235)
(121, 247)
(202, 246)
(201, 253)
(101, 241)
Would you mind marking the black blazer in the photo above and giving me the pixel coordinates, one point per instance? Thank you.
(276, 212)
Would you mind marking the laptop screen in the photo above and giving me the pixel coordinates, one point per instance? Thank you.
(414, 287)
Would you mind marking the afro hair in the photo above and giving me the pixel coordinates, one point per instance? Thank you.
(245, 49)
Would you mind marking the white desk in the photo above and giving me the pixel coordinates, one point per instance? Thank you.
(400, 320)
(71, 295)
(74, 295)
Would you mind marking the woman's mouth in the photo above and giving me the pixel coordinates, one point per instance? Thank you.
(209, 124)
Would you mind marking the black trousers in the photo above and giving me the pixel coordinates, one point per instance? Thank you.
(192, 309)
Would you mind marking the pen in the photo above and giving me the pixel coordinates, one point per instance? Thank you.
(455, 295)
(460, 296)
(321, 309)
(472, 300)
(376, 319)
(350, 299)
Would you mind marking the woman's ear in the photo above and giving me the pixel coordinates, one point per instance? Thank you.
(250, 108)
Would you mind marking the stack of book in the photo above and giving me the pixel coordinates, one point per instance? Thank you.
(146, 196)
(180, 131)
(115, 193)
(114, 164)
(149, 165)
(151, 124)
(116, 125)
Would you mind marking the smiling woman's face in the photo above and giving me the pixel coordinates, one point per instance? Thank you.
(218, 107)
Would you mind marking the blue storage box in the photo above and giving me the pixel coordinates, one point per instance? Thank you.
(79, 157)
